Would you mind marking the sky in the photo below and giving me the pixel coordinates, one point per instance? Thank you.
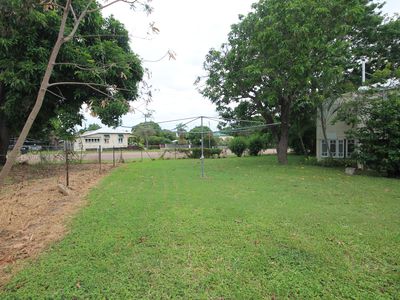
(188, 28)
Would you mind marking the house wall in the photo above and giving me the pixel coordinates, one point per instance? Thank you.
(335, 132)
(88, 142)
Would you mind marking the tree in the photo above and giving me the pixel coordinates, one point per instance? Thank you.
(146, 130)
(194, 136)
(302, 132)
(375, 124)
(285, 52)
(181, 131)
(238, 145)
(93, 127)
(256, 144)
(87, 58)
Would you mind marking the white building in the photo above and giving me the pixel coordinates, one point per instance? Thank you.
(107, 138)
(340, 146)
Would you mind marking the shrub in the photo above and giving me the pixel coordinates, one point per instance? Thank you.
(238, 145)
(377, 133)
(256, 144)
(208, 152)
(330, 162)
(216, 151)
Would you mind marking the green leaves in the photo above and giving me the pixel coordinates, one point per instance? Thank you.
(99, 54)
(377, 128)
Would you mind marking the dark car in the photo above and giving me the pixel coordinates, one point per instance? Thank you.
(24, 148)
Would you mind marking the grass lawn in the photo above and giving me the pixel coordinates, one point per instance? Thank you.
(250, 230)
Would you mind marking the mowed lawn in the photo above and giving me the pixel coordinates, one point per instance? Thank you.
(250, 230)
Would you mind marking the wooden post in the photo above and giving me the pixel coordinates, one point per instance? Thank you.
(66, 164)
(113, 156)
(100, 158)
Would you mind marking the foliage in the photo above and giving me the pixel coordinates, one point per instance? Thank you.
(256, 143)
(285, 52)
(152, 134)
(63, 126)
(99, 54)
(302, 133)
(250, 230)
(194, 136)
(376, 125)
(208, 152)
(238, 145)
(93, 127)
(330, 162)
(182, 132)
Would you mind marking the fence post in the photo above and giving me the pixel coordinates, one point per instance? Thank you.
(66, 164)
(100, 158)
(113, 156)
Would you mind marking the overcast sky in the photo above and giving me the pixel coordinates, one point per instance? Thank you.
(189, 28)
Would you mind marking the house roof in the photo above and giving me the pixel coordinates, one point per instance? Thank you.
(106, 131)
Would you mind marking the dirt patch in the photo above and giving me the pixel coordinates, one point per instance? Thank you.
(34, 213)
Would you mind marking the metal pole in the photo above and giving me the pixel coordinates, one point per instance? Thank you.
(66, 164)
(202, 148)
(100, 158)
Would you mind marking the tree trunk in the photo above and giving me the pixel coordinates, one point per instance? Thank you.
(323, 127)
(303, 147)
(284, 134)
(39, 99)
(4, 130)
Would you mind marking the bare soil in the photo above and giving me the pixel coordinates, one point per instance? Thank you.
(34, 214)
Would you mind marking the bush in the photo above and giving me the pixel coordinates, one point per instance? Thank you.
(378, 122)
(256, 144)
(330, 162)
(238, 145)
(208, 152)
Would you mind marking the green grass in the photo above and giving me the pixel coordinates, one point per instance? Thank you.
(250, 230)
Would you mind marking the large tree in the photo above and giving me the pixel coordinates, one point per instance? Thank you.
(284, 52)
(57, 55)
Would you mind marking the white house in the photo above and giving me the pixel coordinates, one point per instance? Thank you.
(339, 144)
(107, 138)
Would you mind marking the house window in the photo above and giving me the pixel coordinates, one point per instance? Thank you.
(341, 148)
(324, 152)
(92, 140)
(332, 147)
(106, 139)
(120, 138)
(350, 147)
(336, 147)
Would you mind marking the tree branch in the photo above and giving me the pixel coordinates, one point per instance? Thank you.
(88, 84)
(73, 13)
(88, 68)
(77, 22)
(111, 3)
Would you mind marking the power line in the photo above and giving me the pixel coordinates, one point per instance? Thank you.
(237, 120)
(215, 119)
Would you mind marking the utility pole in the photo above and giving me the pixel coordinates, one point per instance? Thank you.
(209, 136)
(202, 148)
